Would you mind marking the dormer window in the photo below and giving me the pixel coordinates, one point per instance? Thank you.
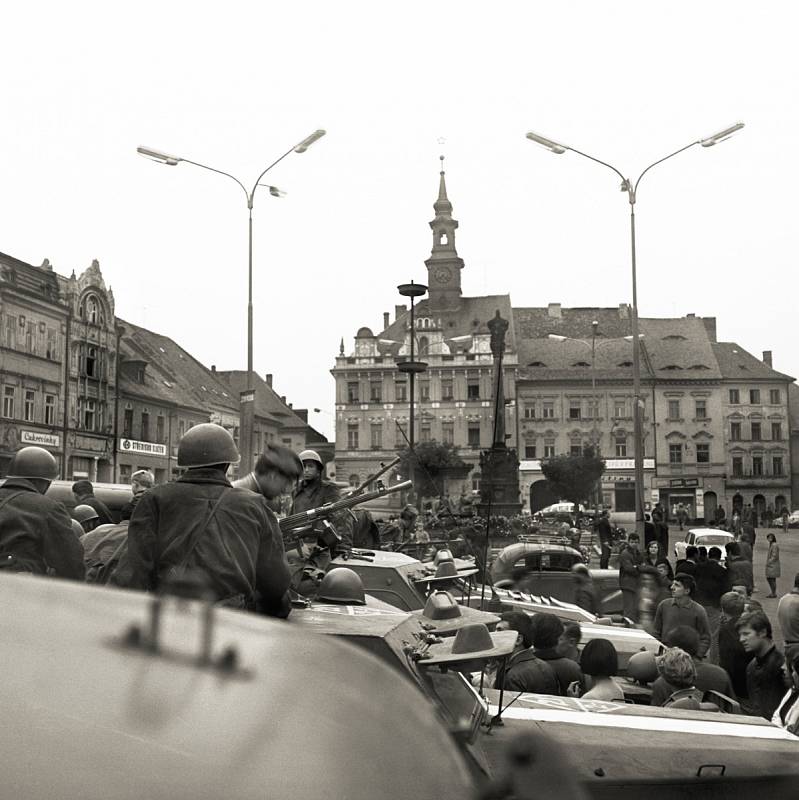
(536, 364)
(626, 364)
(671, 367)
(581, 364)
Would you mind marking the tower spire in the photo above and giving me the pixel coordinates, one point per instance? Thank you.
(442, 206)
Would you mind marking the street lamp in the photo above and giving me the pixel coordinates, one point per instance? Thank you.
(631, 189)
(247, 397)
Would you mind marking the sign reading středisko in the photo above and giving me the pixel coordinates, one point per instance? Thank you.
(147, 448)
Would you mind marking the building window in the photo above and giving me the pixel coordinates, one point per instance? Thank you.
(49, 409)
(674, 409)
(473, 434)
(735, 397)
(774, 396)
(159, 432)
(52, 351)
(619, 409)
(754, 397)
(548, 410)
(621, 447)
(352, 392)
(737, 467)
(757, 466)
(675, 454)
(446, 389)
(473, 390)
(701, 409)
(375, 393)
(89, 410)
(352, 437)
(127, 424)
(593, 408)
(91, 362)
(529, 451)
(424, 345)
(425, 434)
(529, 411)
(125, 471)
(424, 391)
(448, 432)
(145, 426)
(776, 431)
(703, 454)
(575, 408)
(576, 449)
(377, 437)
(401, 392)
(735, 431)
(776, 465)
(756, 432)
(549, 448)
(8, 401)
(30, 405)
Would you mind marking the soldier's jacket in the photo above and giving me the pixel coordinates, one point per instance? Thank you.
(37, 532)
(241, 549)
(314, 494)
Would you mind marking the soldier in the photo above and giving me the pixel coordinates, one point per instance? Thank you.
(86, 517)
(314, 491)
(202, 522)
(84, 495)
(276, 471)
(35, 531)
(403, 531)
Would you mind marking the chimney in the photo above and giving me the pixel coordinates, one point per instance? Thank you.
(767, 357)
(269, 379)
(690, 316)
(213, 367)
(624, 311)
(398, 312)
(710, 327)
(283, 399)
(291, 405)
(386, 317)
(553, 309)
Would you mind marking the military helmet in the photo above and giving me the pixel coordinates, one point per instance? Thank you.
(77, 528)
(311, 455)
(83, 513)
(33, 462)
(205, 445)
(279, 458)
(642, 667)
(409, 512)
(342, 585)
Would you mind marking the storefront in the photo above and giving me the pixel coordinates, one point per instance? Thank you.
(14, 437)
(700, 496)
(134, 455)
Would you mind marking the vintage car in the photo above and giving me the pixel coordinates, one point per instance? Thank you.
(704, 537)
(545, 569)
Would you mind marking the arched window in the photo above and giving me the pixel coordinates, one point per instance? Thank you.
(354, 479)
(91, 310)
(424, 345)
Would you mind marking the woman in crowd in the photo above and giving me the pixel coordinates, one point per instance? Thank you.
(772, 564)
(600, 662)
(787, 713)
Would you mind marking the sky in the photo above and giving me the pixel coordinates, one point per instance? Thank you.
(234, 86)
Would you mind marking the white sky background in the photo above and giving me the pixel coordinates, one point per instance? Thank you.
(236, 85)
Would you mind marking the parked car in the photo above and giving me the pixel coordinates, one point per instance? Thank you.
(793, 520)
(704, 537)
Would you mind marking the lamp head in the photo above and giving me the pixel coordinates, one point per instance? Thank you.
(157, 155)
(309, 140)
(550, 145)
(721, 135)
(556, 337)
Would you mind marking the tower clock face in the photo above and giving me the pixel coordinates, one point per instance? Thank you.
(443, 274)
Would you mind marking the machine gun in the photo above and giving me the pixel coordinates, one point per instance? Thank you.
(305, 518)
(384, 468)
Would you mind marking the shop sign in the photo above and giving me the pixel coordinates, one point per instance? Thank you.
(41, 439)
(627, 463)
(683, 482)
(700, 503)
(655, 496)
(146, 448)
(618, 479)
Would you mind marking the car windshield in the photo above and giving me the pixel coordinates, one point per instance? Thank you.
(712, 538)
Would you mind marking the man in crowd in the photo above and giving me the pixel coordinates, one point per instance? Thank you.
(687, 565)
(604, 531)
(708, 676)
(788, 615)
(141, 481)
(203, 524)
(36, 532)
(547, 630)
(84, 495)
(276, 471)
(630, 559)
(680, 609)
(402, 530)
(569, 640)
(712, 581)
(764, 675)
(733, 658)
(524, 672)
(739, 570)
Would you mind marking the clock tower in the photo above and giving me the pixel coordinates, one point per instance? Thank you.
(444, 267)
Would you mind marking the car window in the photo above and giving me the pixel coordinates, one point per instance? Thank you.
(691, 538)
(713, 538)
(558, 562)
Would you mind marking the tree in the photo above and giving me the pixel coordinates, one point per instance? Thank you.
(574, 477)
(433, 462)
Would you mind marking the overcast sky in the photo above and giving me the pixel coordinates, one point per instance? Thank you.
(235, 86)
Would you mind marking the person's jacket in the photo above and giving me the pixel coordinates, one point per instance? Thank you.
(629, 561)
(36, 533)
(105, 517)
(566, 670)
(240, 550)
(712, 581)
(674, 612)
(733, 658)
(316, 493)
(604, 530)
(526, 672)
(773, 561)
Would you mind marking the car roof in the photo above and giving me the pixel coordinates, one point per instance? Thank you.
(711, 531)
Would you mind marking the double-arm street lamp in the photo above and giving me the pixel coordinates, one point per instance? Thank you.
(246, 422)
(631, 189)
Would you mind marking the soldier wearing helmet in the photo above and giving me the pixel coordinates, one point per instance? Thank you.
(404, 530)
(84, 495)
(276, 471)
(35, 531)
(201, 522)
(86, 517)
(314, 491)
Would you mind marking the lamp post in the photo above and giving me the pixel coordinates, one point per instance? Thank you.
(246, 422)
(631, 189)
(411, 366)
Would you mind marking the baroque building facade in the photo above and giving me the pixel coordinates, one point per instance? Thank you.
(568, 379)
